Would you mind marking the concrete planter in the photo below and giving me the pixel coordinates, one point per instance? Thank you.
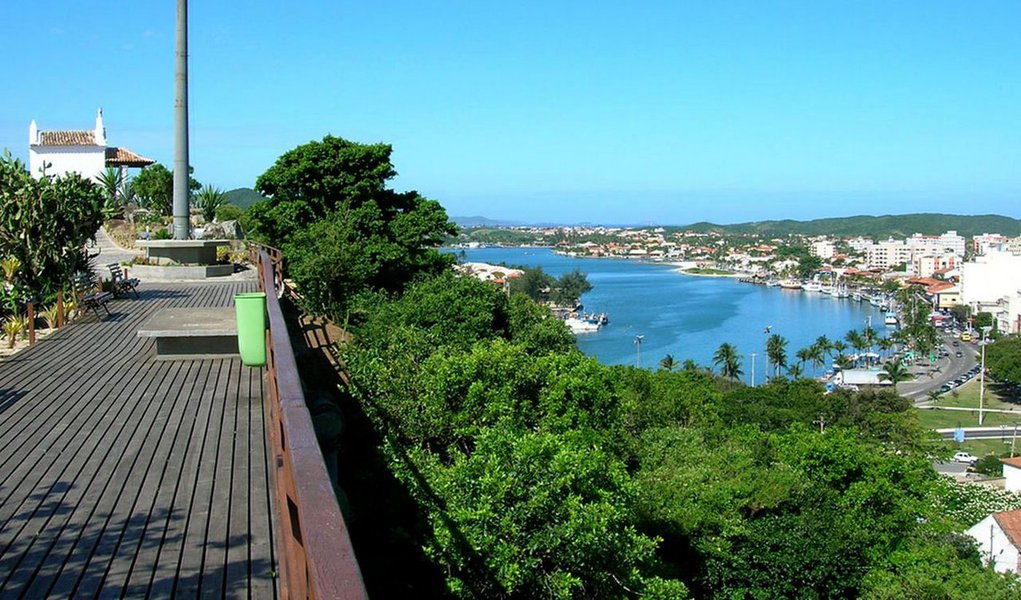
(179, 272)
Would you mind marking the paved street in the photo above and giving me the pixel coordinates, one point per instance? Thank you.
(942, 371)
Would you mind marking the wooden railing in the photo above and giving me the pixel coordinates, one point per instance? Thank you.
(314, 552)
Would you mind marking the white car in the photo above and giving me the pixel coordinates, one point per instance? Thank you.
(964, 457)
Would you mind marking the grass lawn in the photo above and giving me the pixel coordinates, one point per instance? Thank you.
(984, 447)
(967, 397)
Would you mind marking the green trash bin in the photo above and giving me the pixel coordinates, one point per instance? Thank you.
(251, 315)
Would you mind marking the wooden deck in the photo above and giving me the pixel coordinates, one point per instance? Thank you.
(123, 476)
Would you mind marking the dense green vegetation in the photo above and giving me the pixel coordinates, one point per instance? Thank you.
(44, 225)
(503, 463)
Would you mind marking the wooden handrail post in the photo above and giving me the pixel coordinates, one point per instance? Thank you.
(60, 308)
(31, 322)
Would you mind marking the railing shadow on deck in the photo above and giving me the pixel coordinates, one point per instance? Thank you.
(313, 545)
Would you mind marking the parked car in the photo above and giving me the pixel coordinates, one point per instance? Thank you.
(964, 457)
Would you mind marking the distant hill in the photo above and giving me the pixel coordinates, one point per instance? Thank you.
(244, 197)
(897, 226)
(469, 222)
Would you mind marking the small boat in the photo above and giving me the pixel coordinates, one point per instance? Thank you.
(812, 286)
(841, 292)
(856, 297)
(773, 283)
(891, 319)
(577, 325)
(790, 284)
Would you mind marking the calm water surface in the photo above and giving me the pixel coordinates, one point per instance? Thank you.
(688, 316)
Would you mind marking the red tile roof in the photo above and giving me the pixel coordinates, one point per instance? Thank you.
(116, 157)
(1010, 523)
(1014, 462)
(71, 137)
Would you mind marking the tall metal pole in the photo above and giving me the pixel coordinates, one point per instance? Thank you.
(753, 369)
(982, 376)
(182, 229)
(638, 350)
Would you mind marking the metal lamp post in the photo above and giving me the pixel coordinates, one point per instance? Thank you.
(982, 375)
(753, 369)
(638, 350)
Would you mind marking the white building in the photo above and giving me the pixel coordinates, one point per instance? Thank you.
(937, 243)
(991, 283)
(824, 249)
(999, 538)
(859, 244)
(926, 264)
(981, 244)
(1012, 474)
(885, 255)
(82, 151)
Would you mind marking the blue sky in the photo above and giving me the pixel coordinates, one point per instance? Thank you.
(651, 112)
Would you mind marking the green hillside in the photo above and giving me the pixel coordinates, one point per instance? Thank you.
(244, 197)
(884, 226)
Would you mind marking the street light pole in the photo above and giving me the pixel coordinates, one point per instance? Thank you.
(752, 369)
(982, 375)
(638, 350)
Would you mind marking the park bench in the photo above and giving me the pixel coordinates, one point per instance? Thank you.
(193, 333)
(88, 297)
(122, 284)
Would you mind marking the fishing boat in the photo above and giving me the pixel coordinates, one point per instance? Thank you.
(576, 325)
(790, 284)
(812, 286)
(841, 292)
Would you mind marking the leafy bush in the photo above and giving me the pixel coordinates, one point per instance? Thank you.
(44, 223)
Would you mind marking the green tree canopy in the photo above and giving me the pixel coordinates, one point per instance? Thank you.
(44, 223)
(341, 229)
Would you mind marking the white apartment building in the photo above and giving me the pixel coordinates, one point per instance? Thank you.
(925, 264)
(992, 283)
(937, 243)
(986, 242)
(824, 249)
(860, 244)
(885, 255)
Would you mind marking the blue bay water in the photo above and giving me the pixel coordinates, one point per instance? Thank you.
(689, 317)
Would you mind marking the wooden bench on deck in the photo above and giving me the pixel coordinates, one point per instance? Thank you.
(193, 333)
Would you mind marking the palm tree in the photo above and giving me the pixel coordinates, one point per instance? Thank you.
(689, 365)
(818, 356)
(839, 347)
(894, 372)
(728, 360)
(776, 352)
(933, 396)
(824, 344)
(803, 355)
(795, 371)
(885, 344)
(856, 340)
(668, 363)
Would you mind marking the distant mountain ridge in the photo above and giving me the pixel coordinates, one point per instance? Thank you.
(483, 222)
(884, 226)
(243, 197)
(880, 227)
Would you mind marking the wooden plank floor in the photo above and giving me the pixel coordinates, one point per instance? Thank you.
(122, 476)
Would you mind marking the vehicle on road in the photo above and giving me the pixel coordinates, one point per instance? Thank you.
(964, 457)
(956, 343)
(959, 354)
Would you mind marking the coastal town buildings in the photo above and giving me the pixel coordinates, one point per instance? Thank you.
(981, 244)
(82, 151)
(937, 243)
(927, 264)
(888, 254)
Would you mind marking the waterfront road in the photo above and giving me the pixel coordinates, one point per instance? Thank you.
(932, 376)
